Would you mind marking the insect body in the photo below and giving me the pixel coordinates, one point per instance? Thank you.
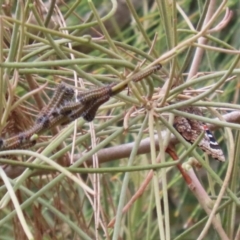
(90, 113)
(139, 76)
(94, 94)
(190, 129)
(21, 139)
(62, 93)
(62, 110)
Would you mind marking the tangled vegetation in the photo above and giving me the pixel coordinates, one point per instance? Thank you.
(128, 174)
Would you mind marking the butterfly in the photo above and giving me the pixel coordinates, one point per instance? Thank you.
(190, 129)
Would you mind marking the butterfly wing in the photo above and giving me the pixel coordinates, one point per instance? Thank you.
(190, 129)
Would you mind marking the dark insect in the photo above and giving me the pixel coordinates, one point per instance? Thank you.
(61, 94)
(94, 94)
(69, 107)
(62, 110)
(90, 113)
(20, 139)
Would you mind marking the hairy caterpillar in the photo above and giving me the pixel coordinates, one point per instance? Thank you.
(93, 94)
(61, 94)
(77, 113)
(20, 139)
(137, 77)
(145, 73)
(57, 96)
(17, 145)
(69, 107)
(62, 110)
(90, 113)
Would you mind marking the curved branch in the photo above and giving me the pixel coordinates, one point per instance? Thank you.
(124, 150)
